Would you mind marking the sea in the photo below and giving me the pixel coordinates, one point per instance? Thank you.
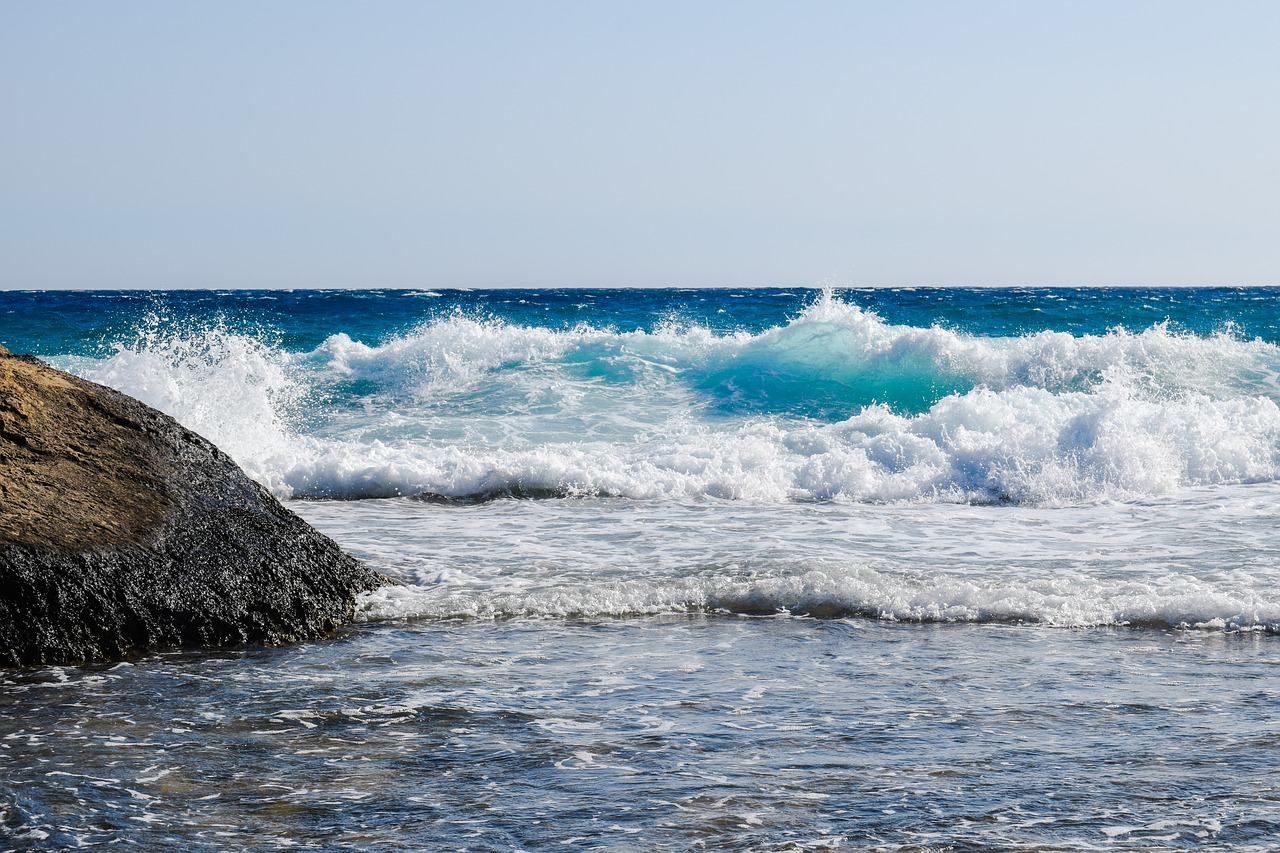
(702, 570)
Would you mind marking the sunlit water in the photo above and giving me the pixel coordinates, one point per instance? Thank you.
(686, 571)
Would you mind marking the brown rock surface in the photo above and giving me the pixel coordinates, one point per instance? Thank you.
(121, 531)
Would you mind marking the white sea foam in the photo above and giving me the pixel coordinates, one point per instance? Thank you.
(447, 355)
(1065, 602)
(466, 407)
(1206, 559)
(231, 388)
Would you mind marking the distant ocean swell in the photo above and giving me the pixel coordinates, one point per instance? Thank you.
(835, 405)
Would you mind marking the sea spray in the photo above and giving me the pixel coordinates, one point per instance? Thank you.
(835, 404)
(235, 389)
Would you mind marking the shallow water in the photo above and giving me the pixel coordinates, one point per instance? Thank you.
(1208, 559)
(660, 733)
(600, 674)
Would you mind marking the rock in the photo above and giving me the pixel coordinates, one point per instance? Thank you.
(122, 531)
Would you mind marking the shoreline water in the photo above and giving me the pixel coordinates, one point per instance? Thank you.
(660, 733)
(1201, 559)
(611, 655)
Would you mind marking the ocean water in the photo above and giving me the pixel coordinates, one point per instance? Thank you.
(703, 570)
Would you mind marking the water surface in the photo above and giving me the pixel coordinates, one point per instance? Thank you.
(721, 570)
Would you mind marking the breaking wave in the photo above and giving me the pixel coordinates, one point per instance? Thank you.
(835, 405)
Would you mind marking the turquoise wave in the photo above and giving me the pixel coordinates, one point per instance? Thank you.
(835, 403)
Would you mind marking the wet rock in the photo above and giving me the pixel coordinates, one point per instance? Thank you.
(122, 531)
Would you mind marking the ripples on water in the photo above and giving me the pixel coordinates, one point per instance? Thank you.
(659, 733)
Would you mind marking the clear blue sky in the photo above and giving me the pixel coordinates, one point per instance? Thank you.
(482, 144)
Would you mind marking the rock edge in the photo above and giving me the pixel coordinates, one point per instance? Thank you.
(121, 531)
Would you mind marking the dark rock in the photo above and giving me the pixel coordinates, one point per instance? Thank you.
(122, 531)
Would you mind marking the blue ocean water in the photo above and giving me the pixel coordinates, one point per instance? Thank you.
(926, 569)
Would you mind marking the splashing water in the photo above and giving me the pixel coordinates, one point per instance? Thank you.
(835, 404)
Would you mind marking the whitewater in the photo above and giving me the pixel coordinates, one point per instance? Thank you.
(834, 405)
(714, 569)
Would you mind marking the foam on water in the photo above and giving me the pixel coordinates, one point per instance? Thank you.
(446, 356)
(1207, 559)
(835, 405)
(859, 591)
(234, 389)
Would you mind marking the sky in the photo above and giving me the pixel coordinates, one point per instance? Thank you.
(673, 144)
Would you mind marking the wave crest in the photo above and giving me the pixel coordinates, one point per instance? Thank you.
(834, 405)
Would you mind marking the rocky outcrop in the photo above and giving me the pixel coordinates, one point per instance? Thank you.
(122, 531)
